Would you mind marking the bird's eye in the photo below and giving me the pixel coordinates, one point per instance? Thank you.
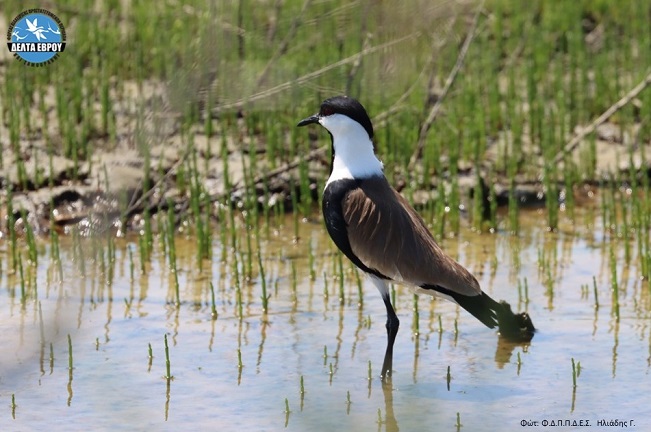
(326, 111)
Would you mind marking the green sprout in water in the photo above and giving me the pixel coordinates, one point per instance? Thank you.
(302, 392)
(341, 279)
(240, 365)
(70, 367)
(265, 297)
(576, 371)
(168, 373)
(23, 292)
(287, 412)
(325, 286)
(51, 358)
(614, 283)
(213, 309)
(415, 327)
(150, 357)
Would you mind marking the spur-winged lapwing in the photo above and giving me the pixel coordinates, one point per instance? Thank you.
(377, 229)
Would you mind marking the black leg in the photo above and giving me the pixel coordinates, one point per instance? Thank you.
(393, 323)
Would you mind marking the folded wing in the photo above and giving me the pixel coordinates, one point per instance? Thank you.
(387, 235)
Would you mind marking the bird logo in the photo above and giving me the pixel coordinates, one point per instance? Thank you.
(35, 29)
(36, 37)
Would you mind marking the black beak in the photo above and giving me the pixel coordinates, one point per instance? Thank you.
(309, 120)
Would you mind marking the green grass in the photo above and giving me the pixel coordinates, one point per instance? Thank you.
(150, 356)
(70, 363)
(263, 282)
(168, 374)
(532, 74)
(415, 325)
(213, 307)
(576, 372)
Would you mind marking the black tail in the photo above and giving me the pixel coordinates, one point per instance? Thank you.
(513, 327)
(482, 307)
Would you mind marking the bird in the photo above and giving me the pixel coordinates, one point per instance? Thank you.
(36, 29)
(377, 229)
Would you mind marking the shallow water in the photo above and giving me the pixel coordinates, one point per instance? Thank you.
(114, 386)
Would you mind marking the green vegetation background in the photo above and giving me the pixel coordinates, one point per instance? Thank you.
(529, 76)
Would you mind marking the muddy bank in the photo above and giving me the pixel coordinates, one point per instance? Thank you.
(144, 168)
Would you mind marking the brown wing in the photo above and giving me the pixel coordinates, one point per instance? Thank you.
(387, 235)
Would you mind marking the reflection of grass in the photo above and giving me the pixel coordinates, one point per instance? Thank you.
(240, 331)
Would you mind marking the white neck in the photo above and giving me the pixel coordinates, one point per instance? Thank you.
(354, 154)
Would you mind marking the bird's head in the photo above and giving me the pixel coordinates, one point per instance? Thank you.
(341, 115)
(351, 131)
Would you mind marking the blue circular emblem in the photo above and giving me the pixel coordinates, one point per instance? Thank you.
(36, 37)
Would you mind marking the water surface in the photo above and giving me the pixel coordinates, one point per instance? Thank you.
(112, 320)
